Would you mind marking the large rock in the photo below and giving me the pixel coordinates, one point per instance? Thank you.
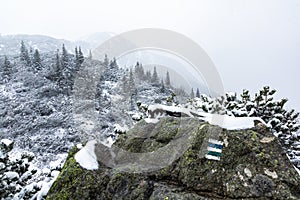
(167, 160)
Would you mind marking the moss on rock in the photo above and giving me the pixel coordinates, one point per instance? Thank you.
(248, 169)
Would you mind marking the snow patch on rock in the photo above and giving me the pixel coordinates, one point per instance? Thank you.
(86, 157)
(150, 120)
(224, 121)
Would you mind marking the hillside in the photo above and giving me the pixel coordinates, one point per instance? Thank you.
(50, 102)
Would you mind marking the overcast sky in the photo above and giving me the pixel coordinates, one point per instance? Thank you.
(252, 43)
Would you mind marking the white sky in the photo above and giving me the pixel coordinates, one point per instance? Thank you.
(252, 43)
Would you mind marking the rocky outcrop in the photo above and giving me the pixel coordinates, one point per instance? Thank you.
(167, 160)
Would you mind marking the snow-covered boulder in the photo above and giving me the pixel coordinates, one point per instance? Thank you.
(172, 159)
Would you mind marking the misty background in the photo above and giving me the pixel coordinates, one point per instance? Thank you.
(252, 43)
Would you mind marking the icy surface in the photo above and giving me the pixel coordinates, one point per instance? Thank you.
(86, 157)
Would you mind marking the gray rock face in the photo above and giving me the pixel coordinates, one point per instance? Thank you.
(251, 166)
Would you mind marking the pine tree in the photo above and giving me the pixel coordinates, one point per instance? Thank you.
(245, 96)
(148, 76)
(64, 57)
(198, 93)
(137, 69)
(24, 55)
(76, 54)
(37, 64)
(56, 71)
(132, 102)
(168, 81)
(90, 55)
(131, 83)
(142, 73)
(139, 72)
(113, 64)
(67, 72)
(154, 78)
(7, 70)
(192, 94)
(31, 54)
(124, 84)
(77, 63)
(106, 61)
(80, 56)
(162, 89)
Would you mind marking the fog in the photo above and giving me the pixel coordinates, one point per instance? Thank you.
(252, 43)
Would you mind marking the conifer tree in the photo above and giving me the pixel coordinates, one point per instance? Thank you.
(168, 81)
(57, 70)
(198, 93)
(113, 64)
(137, 69)
(7, 70)
(154, 78)
(80, 56)
(37, 64)
(131, 83)
(64, 58)
(192, 94)
(162, 86)
(76, 54)
(67, 72)
(77, 63)
(90, 55)
(106, 61)
(148, 76)
(142, 73)
(124, 84)
(24, 55)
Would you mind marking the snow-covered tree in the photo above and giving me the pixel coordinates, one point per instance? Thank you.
(162, 89)
(168, 81)
(36, 62)
(24, 55)
(57, 71)
(124, 85)
(113, 64)
(80, 56)
(67, 69)
(148, 75)
(198, 93)
(64, 57)
(90, 54)
(154, 78)
(192, 94)
(6, 70)
(131, 83)
(106, 61)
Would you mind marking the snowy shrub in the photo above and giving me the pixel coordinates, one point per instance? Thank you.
(15, 172)
(19, 178)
